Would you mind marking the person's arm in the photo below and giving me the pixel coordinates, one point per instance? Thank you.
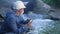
(12, 23)
(27, 21)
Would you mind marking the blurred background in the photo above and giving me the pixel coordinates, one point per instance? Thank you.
(37, 9)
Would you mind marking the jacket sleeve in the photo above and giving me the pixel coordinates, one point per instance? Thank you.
(11, 22)
(24, 18)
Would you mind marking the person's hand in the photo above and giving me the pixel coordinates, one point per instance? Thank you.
(28, 20)
(29, 23)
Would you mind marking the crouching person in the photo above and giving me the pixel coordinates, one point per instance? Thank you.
(15, 21)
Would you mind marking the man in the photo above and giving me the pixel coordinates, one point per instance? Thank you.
(15, 21)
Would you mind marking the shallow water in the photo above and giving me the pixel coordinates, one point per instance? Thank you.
(44, 26)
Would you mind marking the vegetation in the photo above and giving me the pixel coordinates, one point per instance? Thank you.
(53, 2)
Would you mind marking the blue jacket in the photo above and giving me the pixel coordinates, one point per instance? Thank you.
(13, 23)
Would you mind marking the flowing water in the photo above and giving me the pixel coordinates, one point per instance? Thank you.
(44, 26)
